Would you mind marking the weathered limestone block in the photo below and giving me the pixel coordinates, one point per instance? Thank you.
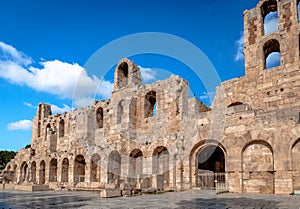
(107, 193)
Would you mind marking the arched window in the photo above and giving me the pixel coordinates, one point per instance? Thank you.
(99, 117)
(235, 104)
(39, 129)
(53, 170)
(150, 104)
(272, 54)
(47, 131)
(61, 128)
(122, 74)
(270, 16)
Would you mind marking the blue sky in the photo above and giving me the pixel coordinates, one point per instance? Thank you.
(45, 44)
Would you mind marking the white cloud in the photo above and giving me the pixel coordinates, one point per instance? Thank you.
(271, 23)
(54, 77)
(20, 125)
(9, 53)
(240, 43)
(55, 109)
(148, 74)
(29, 105)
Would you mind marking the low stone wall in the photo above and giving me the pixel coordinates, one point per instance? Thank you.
(29, 188)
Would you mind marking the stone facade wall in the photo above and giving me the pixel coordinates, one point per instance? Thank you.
(154, 136)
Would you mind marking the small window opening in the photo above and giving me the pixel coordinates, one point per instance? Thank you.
(122, 75)
(270, 16)
(61, 128)
(150, 104)
(272, 54)
(99, 117)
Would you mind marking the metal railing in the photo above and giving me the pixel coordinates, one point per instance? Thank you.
(208, 180)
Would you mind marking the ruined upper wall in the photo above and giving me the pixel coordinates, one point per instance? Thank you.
(259, 45)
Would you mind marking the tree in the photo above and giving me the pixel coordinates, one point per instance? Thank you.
(5, 157)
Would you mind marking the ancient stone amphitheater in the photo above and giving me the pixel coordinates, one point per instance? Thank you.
(154, 137)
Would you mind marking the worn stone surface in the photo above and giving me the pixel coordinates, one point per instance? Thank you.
(155, 136)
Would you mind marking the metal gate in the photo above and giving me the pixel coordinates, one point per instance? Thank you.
(211, 181)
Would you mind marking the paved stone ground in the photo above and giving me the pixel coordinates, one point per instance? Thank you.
(188, 199)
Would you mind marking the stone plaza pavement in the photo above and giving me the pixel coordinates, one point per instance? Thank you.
(189, 199)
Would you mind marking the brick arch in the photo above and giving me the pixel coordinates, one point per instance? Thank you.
(258, 166)
(269, 45)
(194, 154)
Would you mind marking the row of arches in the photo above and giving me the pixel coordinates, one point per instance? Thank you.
(60, 171)
(149, 109)
(48, 129)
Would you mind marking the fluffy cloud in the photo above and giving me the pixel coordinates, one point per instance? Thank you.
(53, 77)
(240, 48)
(148, 74)
(20, 125)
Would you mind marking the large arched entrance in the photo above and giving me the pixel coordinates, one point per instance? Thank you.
(210, 164)
(65, 170)
(53, 170)
(24, 172)
(42, 172)
(95, 168)
(79, 169)
(114, 167)
(160, 168)
(33, 172)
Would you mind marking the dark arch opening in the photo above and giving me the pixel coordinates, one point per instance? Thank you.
(150, 104)
(271, 51)
(53, 170)
(79, 169)
(42, 172)
(235, 104)
(65, 170)
(122, 75)
(212, 158)
(95, 168)
(99, 117)
(211, 167)
(270, 16)
(61, 128)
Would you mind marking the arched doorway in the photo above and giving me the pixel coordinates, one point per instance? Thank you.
(210, 164)
(53, 170)
(114, 167)
(65, 170)
(33, 172)
(135, 163)
(42, 172)
(79, 169)
(95, 168)
(160, 168)
(23, 172)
